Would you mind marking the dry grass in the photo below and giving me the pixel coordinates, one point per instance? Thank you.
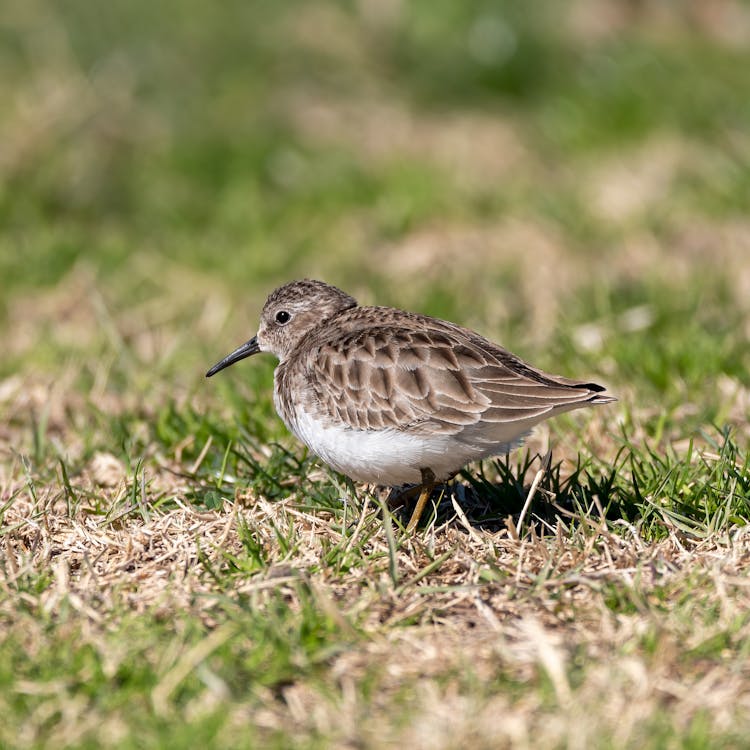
(449, 629)
(578, 631)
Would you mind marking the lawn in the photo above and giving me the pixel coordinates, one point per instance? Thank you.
(571, 180)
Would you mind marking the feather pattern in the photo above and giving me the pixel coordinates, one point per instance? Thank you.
(383, 368)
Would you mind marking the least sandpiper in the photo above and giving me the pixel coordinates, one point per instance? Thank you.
(393, 398)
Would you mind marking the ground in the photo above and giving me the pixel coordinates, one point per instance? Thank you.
(572, 181)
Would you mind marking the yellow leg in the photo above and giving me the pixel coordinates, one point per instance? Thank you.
(428, 483)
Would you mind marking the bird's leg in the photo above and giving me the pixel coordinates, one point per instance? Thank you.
(428, 483)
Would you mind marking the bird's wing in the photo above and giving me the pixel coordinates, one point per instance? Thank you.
(433, 380)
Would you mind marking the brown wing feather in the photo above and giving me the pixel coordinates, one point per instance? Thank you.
(439, 378)
(393, 378)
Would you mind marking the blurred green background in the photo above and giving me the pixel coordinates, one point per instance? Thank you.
(570, 178)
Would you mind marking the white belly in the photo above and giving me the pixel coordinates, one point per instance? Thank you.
(389, 457)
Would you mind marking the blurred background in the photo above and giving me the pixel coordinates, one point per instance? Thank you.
(572, 179)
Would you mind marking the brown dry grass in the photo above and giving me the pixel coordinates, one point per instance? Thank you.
(576, 631)
(610, 627)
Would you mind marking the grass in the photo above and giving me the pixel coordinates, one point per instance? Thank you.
(175, 569)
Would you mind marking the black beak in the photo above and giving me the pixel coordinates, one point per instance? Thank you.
(248, 348)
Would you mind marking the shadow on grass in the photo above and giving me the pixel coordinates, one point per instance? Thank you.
(493, 497)
(693, 493)
(656, 490)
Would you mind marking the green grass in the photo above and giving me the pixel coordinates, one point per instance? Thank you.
(176, 569)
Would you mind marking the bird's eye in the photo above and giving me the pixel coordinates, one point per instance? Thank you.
(282, 316)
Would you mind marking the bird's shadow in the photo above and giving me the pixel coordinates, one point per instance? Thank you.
(491, 495)
(494, 496)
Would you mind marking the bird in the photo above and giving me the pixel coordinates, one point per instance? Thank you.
(393, 398)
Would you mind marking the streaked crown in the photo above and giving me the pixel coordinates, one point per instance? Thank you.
(294, 309)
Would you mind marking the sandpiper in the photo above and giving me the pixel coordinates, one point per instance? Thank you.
(392, 397)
